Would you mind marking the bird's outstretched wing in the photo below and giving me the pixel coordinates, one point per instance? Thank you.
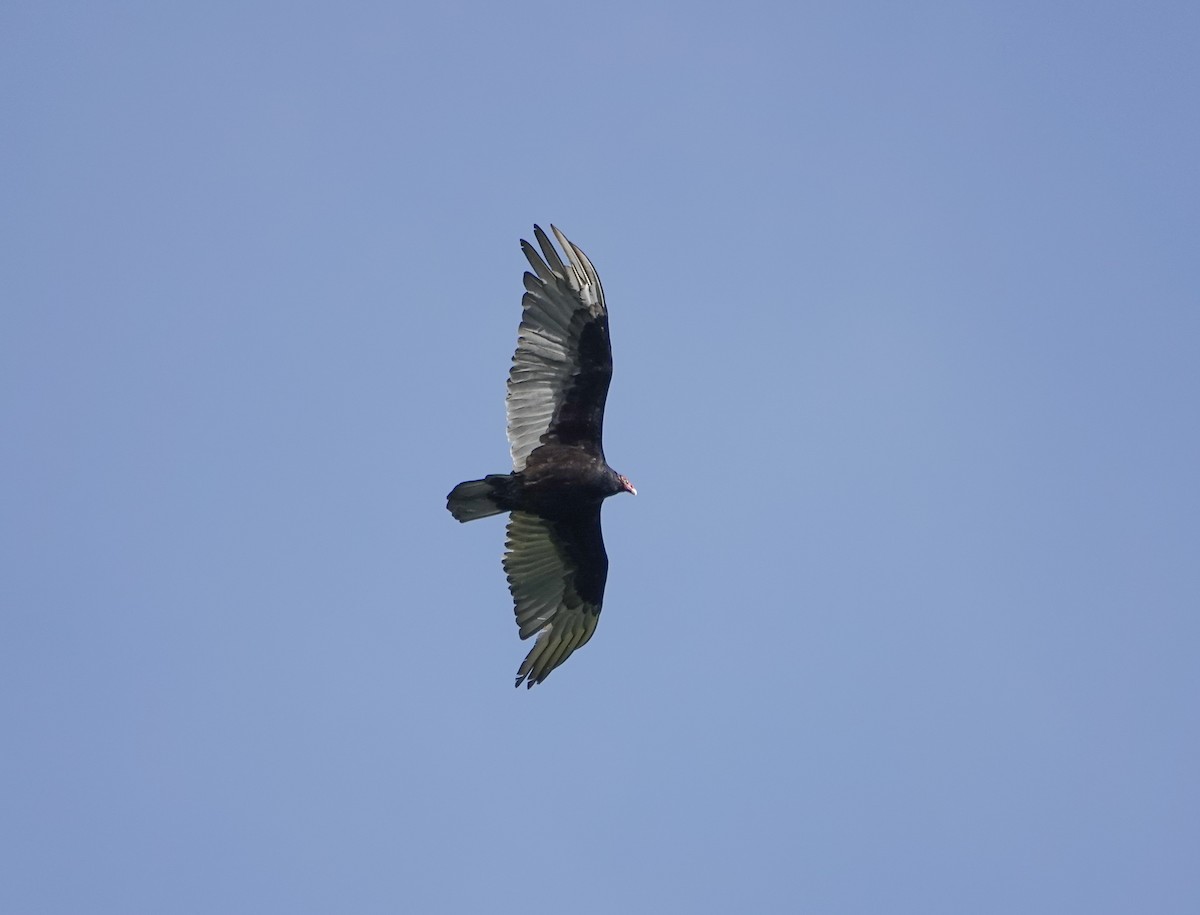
(563, 364)
(556, 573)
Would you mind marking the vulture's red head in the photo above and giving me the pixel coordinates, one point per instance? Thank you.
(625, 484)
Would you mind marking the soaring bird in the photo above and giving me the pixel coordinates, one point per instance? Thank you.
(554, 559)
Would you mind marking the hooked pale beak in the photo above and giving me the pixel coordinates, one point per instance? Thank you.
(627, 486)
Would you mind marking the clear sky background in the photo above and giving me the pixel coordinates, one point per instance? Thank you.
(906, 317)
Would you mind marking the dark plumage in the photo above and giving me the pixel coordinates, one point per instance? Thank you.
(557, 386)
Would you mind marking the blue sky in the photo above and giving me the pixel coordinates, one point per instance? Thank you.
(907, 339)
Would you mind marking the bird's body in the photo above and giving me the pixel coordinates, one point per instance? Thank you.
(557, 387)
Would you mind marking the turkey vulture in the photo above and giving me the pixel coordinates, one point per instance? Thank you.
(555, 559)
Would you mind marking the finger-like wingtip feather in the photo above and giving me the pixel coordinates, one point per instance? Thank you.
(549, 251)
(544, 273)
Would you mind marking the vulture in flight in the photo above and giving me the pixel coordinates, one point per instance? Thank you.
(554, 557)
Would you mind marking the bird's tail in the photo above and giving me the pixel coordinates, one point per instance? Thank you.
(479, 498)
